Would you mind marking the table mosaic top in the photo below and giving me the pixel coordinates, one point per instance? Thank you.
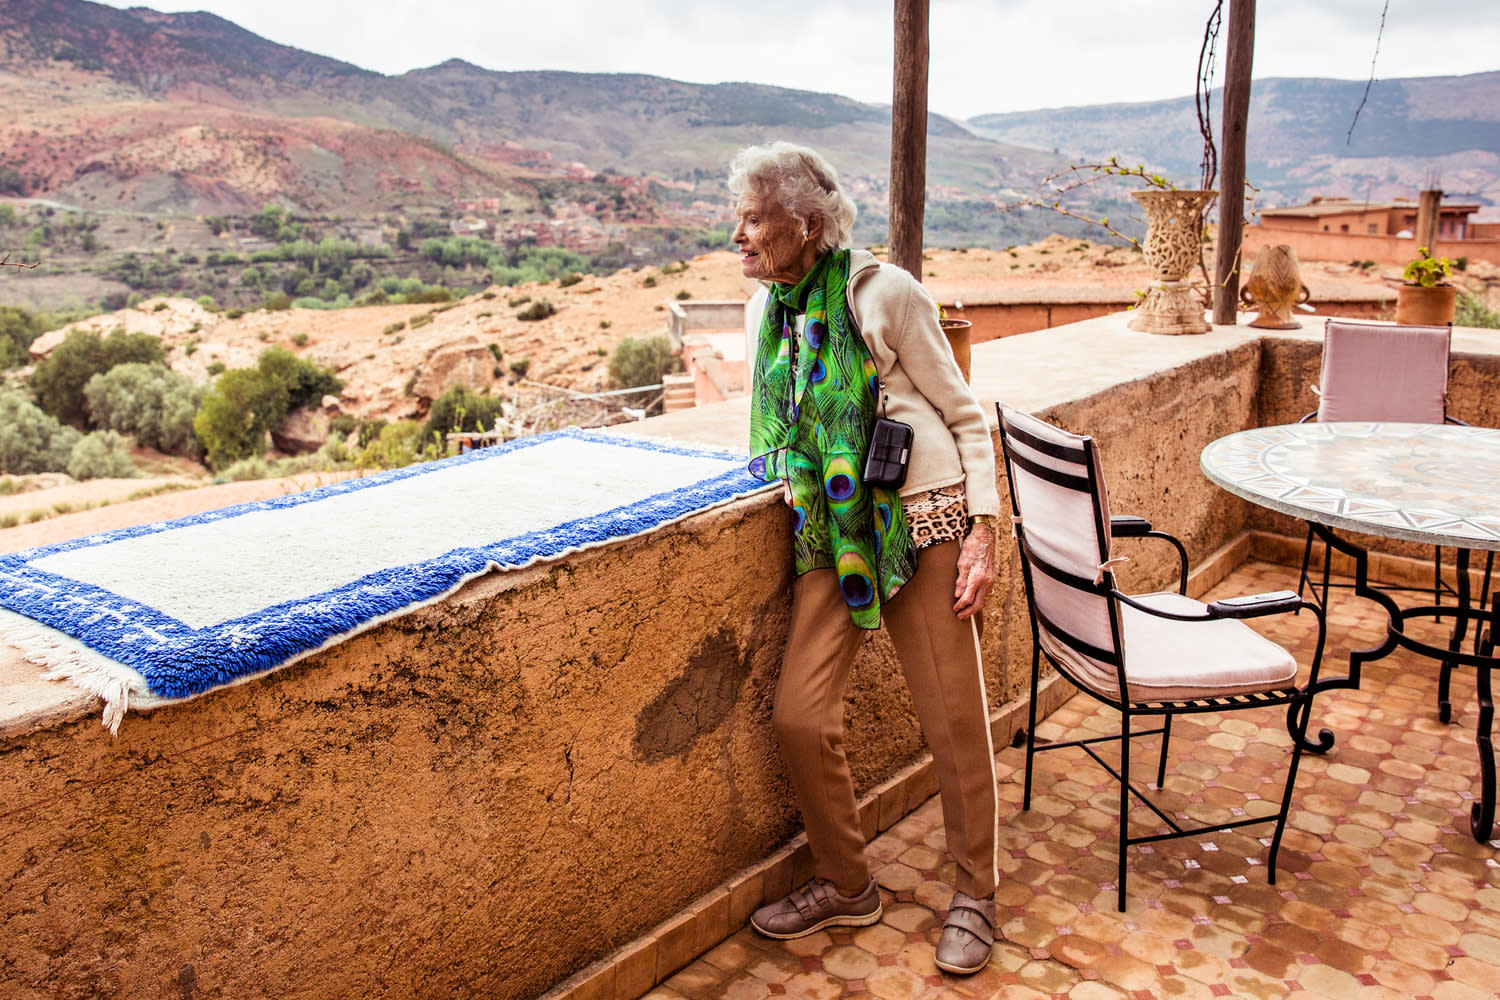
(1433, 483)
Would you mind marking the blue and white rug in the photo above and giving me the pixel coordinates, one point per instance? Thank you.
(163, 612)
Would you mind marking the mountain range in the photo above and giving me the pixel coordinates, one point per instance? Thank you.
(188, 114)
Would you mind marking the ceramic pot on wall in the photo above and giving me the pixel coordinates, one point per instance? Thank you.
(959, 333)
(1275, 287)
(1426, 305)
(1174, 245)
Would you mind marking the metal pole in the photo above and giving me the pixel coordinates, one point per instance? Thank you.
(1232, 159)
(909, 136)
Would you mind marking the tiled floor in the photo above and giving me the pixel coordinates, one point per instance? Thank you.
(1381, 891)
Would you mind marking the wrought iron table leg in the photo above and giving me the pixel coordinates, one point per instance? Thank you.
(1482, 813)
(1455, 638)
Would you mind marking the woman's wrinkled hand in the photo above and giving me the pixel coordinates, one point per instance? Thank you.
(976, 571)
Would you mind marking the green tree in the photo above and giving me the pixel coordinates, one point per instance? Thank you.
(151, 402)
(237, 413)
(18, 328)
(58, 381)
(101, 455)
(31, 440)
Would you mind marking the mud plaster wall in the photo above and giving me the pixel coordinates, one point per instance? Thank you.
(480, 798)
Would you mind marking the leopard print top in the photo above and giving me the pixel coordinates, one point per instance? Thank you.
(937, 516)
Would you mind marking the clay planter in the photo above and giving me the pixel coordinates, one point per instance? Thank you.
(1421, 305)
(1174, 245)
(958, 332)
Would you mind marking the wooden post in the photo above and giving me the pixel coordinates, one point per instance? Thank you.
(1428, 203)
(1232, 159)
(908, 191)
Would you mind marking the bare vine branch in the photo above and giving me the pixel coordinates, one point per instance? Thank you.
(1349, 138)
(1203, 94)
(7, 262)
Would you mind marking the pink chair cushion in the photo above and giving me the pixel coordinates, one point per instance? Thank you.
(1377, 372)
(1167, 660)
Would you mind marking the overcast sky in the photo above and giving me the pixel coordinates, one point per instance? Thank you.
(987, 55)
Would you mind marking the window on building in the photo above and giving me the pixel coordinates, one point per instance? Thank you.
(1344, 228)
(1373, 227)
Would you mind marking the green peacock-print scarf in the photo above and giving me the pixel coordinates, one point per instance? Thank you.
(812, 406)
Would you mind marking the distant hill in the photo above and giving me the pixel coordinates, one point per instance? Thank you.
(1299, 141)
(164, 133)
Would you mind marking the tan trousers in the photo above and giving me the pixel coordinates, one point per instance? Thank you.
(940, 657)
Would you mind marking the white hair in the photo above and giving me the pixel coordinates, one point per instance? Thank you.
(802, 182)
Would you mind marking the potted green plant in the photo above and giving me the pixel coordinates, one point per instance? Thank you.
(1426, 298)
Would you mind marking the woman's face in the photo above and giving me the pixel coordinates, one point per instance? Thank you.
(772, 243)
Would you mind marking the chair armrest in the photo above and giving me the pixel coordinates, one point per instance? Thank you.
(1274, 602)
(1454, 420)
(1311, 416)
(1131, 526)
(1128, 526)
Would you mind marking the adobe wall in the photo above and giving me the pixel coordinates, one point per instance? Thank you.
(1387, 250)
(483, 797)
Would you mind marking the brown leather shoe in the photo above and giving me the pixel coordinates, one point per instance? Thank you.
(816, 905)
(968, 935)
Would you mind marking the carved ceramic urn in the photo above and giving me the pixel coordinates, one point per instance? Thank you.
(1275, 287)
(1174, 245)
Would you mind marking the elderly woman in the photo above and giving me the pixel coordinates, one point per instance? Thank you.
(845, 339)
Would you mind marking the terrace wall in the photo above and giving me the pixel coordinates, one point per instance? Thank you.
(485, 796)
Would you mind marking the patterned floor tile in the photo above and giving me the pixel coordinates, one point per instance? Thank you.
(1380, 891)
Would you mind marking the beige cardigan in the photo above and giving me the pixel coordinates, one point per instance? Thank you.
(951, 442)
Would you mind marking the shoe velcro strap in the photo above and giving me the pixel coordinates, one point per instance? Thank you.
(971, 920)
(815, 895)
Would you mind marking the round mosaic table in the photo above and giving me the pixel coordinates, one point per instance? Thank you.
(1433, 483)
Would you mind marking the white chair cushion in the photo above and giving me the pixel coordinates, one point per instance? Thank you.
(1168, 660)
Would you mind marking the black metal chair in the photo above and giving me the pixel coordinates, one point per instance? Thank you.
(1151, 656)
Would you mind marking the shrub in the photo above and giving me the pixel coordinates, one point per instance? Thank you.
(391, 328)
(521, 366)
(495, 351)
(398, 444)
(343, 425)
(207, 302)
(216, 367)
(540, 309)
(277, 302)
(641, 362)
(684, 295)
(429, 295)
(32, 440)
(233, 313)
(101, 455)
(649, 281)
(246, 469)
(151, 402)
(58, 381)
(1471, 311)
(18, 328)
(299, 339)
(518, 301)
(305, 382)
(569, 280)
(460, 409)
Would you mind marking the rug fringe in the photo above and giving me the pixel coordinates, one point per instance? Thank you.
(67, 659)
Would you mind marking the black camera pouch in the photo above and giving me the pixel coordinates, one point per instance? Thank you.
(890, 450)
